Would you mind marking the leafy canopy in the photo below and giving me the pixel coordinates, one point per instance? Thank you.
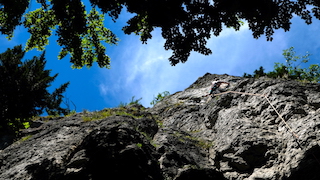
(23, 89)
(80, 33)
(186, 25)
(291, 69)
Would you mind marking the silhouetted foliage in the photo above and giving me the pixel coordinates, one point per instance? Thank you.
(80, 33)
(186, 25)
(159, 97)
(259, 73)
(291, 70)
(247, 75)
(23, 89)
(256, 74)
(135, 101)
(132, 101)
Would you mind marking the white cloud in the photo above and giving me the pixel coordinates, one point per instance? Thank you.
(144, 70)
(147, 71)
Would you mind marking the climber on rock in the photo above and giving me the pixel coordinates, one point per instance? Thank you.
(215, 85)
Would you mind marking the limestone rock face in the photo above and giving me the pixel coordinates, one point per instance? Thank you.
(257, 129)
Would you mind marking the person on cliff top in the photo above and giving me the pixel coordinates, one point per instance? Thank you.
(215, 85)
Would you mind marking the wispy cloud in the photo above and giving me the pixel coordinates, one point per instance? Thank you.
(144, 70)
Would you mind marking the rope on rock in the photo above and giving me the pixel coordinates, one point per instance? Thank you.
(263, 95)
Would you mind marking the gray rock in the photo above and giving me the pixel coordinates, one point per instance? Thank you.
(250, 139)
(235, 136)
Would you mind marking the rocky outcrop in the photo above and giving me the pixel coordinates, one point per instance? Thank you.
(185, 136)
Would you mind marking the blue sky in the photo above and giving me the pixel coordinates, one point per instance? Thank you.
(143, 70)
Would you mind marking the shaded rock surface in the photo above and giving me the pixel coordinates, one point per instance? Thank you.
(232, 136)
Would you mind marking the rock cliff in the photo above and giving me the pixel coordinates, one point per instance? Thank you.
(263, 129)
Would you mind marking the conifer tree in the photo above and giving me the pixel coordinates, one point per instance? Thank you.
(24, 89)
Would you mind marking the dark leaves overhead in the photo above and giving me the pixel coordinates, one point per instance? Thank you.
(73, 23)
(11, 12)
(186, 24)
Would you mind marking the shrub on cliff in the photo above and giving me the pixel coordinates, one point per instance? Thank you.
(159, 97)
(291, 69)
(23, 89)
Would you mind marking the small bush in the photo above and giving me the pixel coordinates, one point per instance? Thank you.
(291, 70)
(132, 101)
(159, 97)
